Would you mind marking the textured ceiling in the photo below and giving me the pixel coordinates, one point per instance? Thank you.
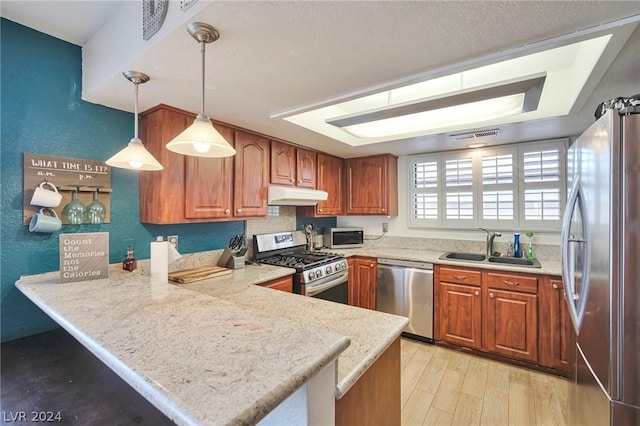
(278, 56)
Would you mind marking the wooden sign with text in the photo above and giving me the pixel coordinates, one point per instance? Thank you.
(84, 257)
(66, 173)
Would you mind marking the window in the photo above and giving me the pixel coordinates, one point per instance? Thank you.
(513, 187)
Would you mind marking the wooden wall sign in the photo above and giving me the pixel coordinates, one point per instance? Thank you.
(84, 256)
(67, 174)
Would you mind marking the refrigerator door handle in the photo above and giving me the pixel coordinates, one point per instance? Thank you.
(576, 300)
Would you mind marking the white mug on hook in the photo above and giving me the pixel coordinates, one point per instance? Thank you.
(44, 197)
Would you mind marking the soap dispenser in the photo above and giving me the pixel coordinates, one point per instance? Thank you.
(516, 245)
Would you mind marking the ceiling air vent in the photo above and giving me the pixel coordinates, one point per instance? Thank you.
(473, 135)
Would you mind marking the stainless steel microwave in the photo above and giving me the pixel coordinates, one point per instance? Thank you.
(338, 238)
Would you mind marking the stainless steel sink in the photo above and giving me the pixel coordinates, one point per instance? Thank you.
(473, 257)
(481, 258)
(516, 261)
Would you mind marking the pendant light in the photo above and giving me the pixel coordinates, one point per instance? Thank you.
(135, 156)
(201, 139)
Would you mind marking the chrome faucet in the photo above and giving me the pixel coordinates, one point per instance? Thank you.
(490, 238)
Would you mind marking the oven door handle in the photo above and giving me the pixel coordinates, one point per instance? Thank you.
(311, 291)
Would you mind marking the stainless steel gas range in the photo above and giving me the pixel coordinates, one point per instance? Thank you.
(318, 274)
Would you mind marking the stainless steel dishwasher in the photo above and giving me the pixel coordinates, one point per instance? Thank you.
(406, 288)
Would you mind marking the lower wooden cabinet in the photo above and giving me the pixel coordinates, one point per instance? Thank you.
(514, 315)
(459, 319)
(512, 324)
(363, 280)
(556, 330)
(282, 284)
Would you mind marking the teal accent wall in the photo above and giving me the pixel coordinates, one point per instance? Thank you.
(42, 112)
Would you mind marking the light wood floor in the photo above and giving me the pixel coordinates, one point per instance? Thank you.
(445, 387)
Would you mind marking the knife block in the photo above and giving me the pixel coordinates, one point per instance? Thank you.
(229, 260)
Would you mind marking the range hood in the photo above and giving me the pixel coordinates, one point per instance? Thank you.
(294, 196)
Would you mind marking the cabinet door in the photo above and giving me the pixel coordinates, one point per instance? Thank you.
(372, 185)
(564, 329)
(283, 163)
(209, 183)
(366, 271)
(353, 297)
(157, 127)
(305, 168)
(251, 175)
(512, 324)
(330, 179)
(555, 329)
(460, 315)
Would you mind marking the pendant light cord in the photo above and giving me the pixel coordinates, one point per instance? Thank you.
(135, 110)
(202, 49)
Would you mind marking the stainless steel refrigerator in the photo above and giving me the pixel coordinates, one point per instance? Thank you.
(601, 270)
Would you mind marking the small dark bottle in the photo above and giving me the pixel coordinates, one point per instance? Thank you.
(130, 263)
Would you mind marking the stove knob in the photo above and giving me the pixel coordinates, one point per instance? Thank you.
(338, 267)
(312, 275)
(344, 265)
(319, 273)
(329, 269)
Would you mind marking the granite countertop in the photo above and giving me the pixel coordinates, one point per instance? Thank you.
(548, 267)
(370, 332)
(198, 357)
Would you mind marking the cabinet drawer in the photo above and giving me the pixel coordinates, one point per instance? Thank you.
(460, 276)
(512, 282)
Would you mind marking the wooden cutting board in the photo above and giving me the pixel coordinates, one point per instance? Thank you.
(196, 274)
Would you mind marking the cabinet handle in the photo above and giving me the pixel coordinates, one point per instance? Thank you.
(383, 210)
(460, 277)
(227, 211)
(371, 266)
(299, 181)
(320, 210)
(555, 286)
(239, 211)
(477, 293)
(508, 282)
(492, 295)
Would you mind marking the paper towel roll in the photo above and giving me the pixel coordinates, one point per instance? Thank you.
(162, 254)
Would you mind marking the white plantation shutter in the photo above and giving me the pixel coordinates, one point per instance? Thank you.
(459, 189)
(499, 187)
(518, 187)
(543, 180)
(423, 190)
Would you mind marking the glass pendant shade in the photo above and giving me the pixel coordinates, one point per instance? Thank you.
(201, 139)
(134, 157)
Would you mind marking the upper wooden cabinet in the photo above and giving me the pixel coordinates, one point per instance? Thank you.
(372, 185)
(292, 166)
(209, 184)
(197, 189)
(251, 175)
(330, 178)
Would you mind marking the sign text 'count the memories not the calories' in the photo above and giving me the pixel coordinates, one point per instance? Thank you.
(84, 256)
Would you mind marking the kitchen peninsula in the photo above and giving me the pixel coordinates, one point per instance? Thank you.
(223, 350)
